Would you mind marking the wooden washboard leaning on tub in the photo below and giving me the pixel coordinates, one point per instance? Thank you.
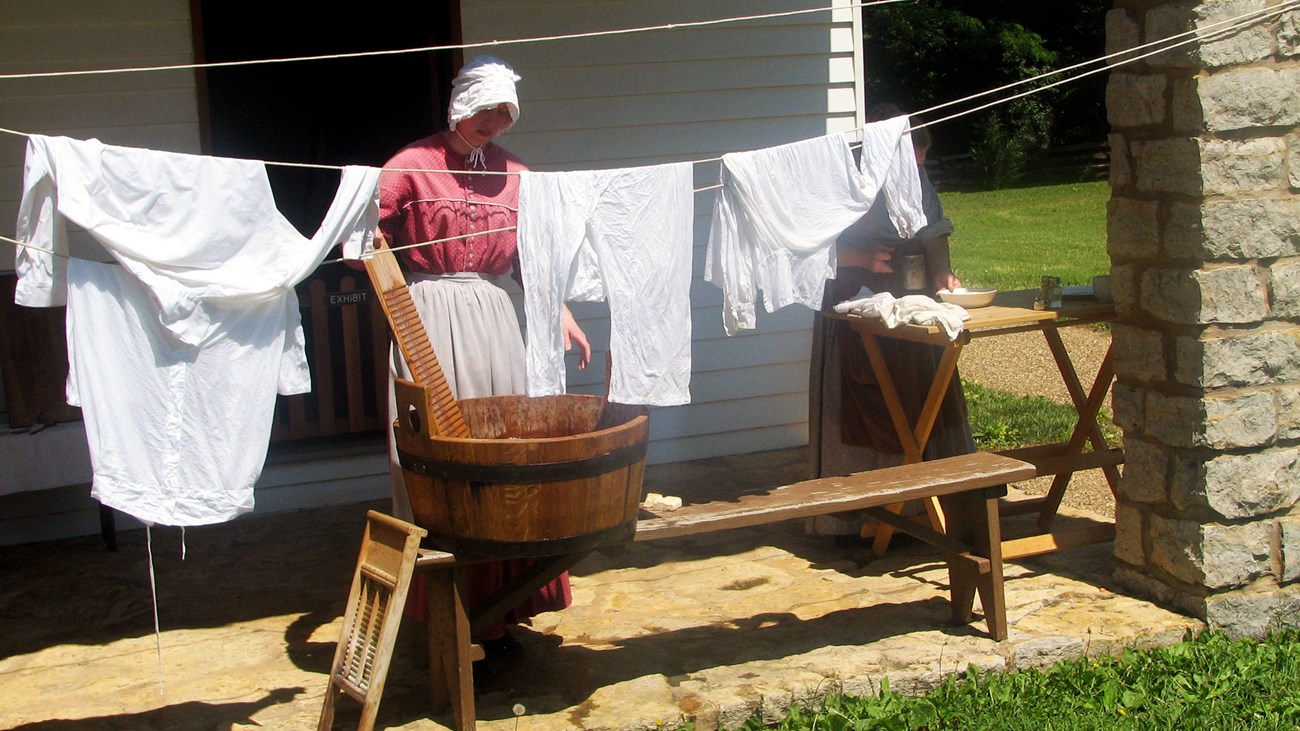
(413, 342)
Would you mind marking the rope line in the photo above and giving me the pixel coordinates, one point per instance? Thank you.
(1208, 33)
(1239, 21)
(452, 47)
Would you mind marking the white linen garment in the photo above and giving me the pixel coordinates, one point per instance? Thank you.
(177, 433)
(780, 210)
(916, 309)
(206, 281)
(624, 236)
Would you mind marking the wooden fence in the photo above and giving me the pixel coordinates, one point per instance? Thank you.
(1058, 164)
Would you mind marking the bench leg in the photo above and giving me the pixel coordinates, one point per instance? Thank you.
(451, 656)
(973, 519)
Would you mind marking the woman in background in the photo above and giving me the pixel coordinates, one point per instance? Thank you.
(852, 430)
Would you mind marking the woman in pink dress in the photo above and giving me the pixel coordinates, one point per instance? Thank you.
(457, 284)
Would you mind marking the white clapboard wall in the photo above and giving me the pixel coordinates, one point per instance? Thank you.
(690, 93)
(683, 94)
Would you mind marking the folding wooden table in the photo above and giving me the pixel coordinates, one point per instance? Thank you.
(1011, 312)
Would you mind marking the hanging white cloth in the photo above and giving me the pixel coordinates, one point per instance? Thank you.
(624, 236)
(205, 290)
(177, 433)
(780, 209)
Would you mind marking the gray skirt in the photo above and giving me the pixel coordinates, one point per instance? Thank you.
(475, 333)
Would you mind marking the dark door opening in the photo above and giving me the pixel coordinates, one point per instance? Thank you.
(354, 111)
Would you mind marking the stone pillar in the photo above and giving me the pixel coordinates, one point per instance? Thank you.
(1204, 240)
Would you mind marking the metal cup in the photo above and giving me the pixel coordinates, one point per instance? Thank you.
(912, 267)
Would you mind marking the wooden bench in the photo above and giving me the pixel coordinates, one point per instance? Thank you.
(967, 486)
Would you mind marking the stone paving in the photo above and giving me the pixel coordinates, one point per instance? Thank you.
(707, 628)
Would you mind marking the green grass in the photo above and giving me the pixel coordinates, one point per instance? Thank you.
(1000, 420)
(1010, 238)
(1204, 682)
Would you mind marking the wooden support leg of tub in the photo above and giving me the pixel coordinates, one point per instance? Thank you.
(451, 655)
(541, 573)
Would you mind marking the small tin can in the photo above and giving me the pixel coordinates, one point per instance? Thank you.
(913, 270)
(1049, 294)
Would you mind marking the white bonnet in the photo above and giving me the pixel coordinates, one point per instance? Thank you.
(483, 83)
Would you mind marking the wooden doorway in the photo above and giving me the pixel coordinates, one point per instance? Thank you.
(356, 111)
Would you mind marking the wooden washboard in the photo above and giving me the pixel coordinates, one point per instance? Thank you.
(413, 342)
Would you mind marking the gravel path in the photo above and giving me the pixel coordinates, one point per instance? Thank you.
(1022, 364)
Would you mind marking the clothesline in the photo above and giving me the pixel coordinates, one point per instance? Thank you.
(456, 47)
(41, 249)
(1210, 32)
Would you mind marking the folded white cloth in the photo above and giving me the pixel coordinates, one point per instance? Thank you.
(914, 309)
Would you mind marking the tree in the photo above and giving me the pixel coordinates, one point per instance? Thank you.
(929, 52)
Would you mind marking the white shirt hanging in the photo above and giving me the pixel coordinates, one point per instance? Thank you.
(199, 327)
(623, 236)
(780, 209)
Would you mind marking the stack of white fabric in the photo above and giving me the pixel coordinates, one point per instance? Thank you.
(915, 309)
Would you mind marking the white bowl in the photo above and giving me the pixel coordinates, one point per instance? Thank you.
(968, 298)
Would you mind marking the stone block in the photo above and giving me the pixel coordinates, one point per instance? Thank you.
(1286, 549)
(1177, 421)
(1123, 285)
(1247, 45)
(1122, 32)
(1135, 100)
(1147, 472)
(1121, 175)
(1222, 294)
(1168, 166)
(1250, 97)
(1239, 419)
(1166, 20)
(1288, 412)
(1139, 353)
(1176, 548)
(1132, 228)
(1292, 161)
(1237, 229)
(1288, 36)
(1253, 612)
(1128, 535)
(1238, 486)
(1242, 166)
(1141, 584)
(1185, 107)
(1230, 421)
(1184, 232)
(1235, 555)
(610, 706)
(1044, 652)
(1286, 288)
(1129, 402)
(1214, 556)
(1256, 357)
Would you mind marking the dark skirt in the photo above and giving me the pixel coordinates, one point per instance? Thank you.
(859, 434)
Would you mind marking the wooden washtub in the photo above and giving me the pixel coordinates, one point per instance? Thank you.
(540, 476)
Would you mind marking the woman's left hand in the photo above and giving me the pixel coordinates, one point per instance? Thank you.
(573, 335)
